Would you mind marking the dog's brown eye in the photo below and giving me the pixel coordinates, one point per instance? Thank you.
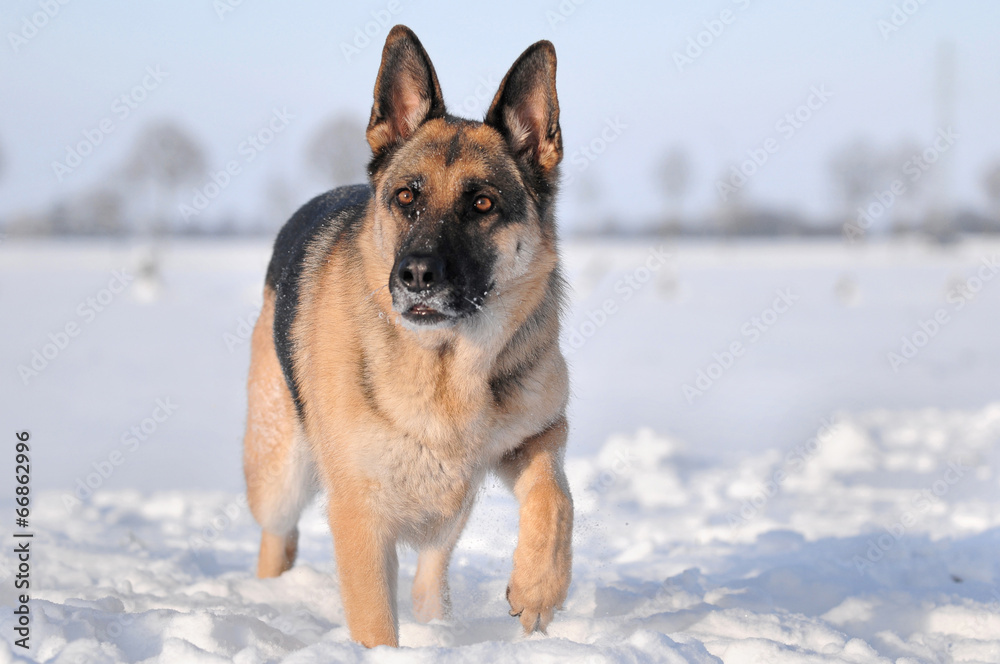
(482, 204)
(405, 197)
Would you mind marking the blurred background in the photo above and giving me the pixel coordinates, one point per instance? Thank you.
(843, 153)
(779, 225)
(666, 109)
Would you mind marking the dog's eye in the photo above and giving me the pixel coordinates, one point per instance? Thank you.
(482, 204)
(405, 197)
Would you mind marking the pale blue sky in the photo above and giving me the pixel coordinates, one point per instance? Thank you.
(616, 61)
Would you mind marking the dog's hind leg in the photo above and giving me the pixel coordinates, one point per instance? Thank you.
(277, 462)
(431, 597)
(277, 502)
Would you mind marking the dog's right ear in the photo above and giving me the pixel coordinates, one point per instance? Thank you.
(407, 92)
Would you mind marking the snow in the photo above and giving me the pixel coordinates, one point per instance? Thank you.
(813, 505)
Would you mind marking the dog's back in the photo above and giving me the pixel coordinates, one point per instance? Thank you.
(320, 222)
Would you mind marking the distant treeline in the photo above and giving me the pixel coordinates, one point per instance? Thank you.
(165, 186)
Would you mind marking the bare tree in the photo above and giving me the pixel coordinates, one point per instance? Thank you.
(991, 185)
(105, 207)
(909, 209)
(95, 212)
(734, 208)
(857, 172)
(280, 204)
(673, 174)
(165, 157)
(338, 151)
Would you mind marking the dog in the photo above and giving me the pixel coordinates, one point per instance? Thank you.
(408, 345)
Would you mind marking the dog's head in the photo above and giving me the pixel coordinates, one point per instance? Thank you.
(462, 208)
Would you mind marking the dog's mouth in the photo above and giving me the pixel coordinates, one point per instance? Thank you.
(425, 315)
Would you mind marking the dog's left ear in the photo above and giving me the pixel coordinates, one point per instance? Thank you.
(525, 109)
(407, 92)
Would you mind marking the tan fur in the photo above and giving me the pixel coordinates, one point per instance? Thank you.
(277, 554)
(542, 559)
(278, 473)
(401, 426)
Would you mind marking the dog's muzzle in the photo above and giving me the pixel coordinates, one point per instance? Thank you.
(422, 291)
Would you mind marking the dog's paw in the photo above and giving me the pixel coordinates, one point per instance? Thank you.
(534, 594)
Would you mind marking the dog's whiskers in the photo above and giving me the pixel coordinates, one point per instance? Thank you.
(489, 314)
(502, 303)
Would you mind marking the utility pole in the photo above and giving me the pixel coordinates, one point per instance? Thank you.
(941, 215)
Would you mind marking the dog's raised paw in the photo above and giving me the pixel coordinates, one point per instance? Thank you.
(532, 608)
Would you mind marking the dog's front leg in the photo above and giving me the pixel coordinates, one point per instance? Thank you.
(368, 569)
(543, 557)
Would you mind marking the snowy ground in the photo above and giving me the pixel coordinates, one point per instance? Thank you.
(812, 504)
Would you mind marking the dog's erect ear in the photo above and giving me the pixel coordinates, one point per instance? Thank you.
(526, 109)
(406, 91)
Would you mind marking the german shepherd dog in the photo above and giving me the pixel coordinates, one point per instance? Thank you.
(408, 345)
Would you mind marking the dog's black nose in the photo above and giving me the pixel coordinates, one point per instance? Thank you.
(420, 273)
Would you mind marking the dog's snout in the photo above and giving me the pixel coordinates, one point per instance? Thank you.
(421, 273)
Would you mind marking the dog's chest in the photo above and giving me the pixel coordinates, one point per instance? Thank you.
(427, 482)
(440, 432)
